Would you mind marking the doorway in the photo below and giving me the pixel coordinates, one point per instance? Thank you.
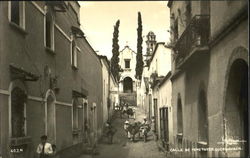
(202, 117)
(236, 107)
(50, 119)
(128, 85)
(156, 114)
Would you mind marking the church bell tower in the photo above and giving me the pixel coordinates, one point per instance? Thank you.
(151, 43)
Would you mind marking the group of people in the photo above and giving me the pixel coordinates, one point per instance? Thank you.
(126, 109)
(48, 150)
(45, 149)
(135, 126)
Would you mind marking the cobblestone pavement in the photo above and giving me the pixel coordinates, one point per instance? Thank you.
(124, 148)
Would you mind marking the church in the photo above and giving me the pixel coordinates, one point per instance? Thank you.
(129, 86)
(127, 82)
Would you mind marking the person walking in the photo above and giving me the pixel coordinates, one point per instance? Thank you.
(144, 128)
(110, 132)
(134, 113)
(145, 122)
(126, 126)
(125, 110)
(44, 149)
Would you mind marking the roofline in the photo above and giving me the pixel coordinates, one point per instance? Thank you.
(128, 48)
(167, 77)
(78, 3)
(170, 2)
(92, 50)
(104, 57)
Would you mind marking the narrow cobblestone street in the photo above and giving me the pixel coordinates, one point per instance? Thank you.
(124, 148)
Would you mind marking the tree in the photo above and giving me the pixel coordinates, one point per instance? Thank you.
(139, 60)
(115, 68)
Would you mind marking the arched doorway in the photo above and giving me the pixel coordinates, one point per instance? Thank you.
(18, 101)
(179, 122)
(179, 116)
(202, 117)
(202, 120)
(127, 85)
(50, 118)
(236, 107)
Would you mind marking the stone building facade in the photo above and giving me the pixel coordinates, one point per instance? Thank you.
(51, 79)
(209, 78)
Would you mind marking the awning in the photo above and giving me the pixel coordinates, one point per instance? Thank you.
(77, 32)
(20, 73)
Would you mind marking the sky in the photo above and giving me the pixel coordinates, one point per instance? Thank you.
(98, 19)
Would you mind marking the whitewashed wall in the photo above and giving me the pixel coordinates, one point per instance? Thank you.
(165, 97)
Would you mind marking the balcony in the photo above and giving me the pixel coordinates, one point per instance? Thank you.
(193, 43)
